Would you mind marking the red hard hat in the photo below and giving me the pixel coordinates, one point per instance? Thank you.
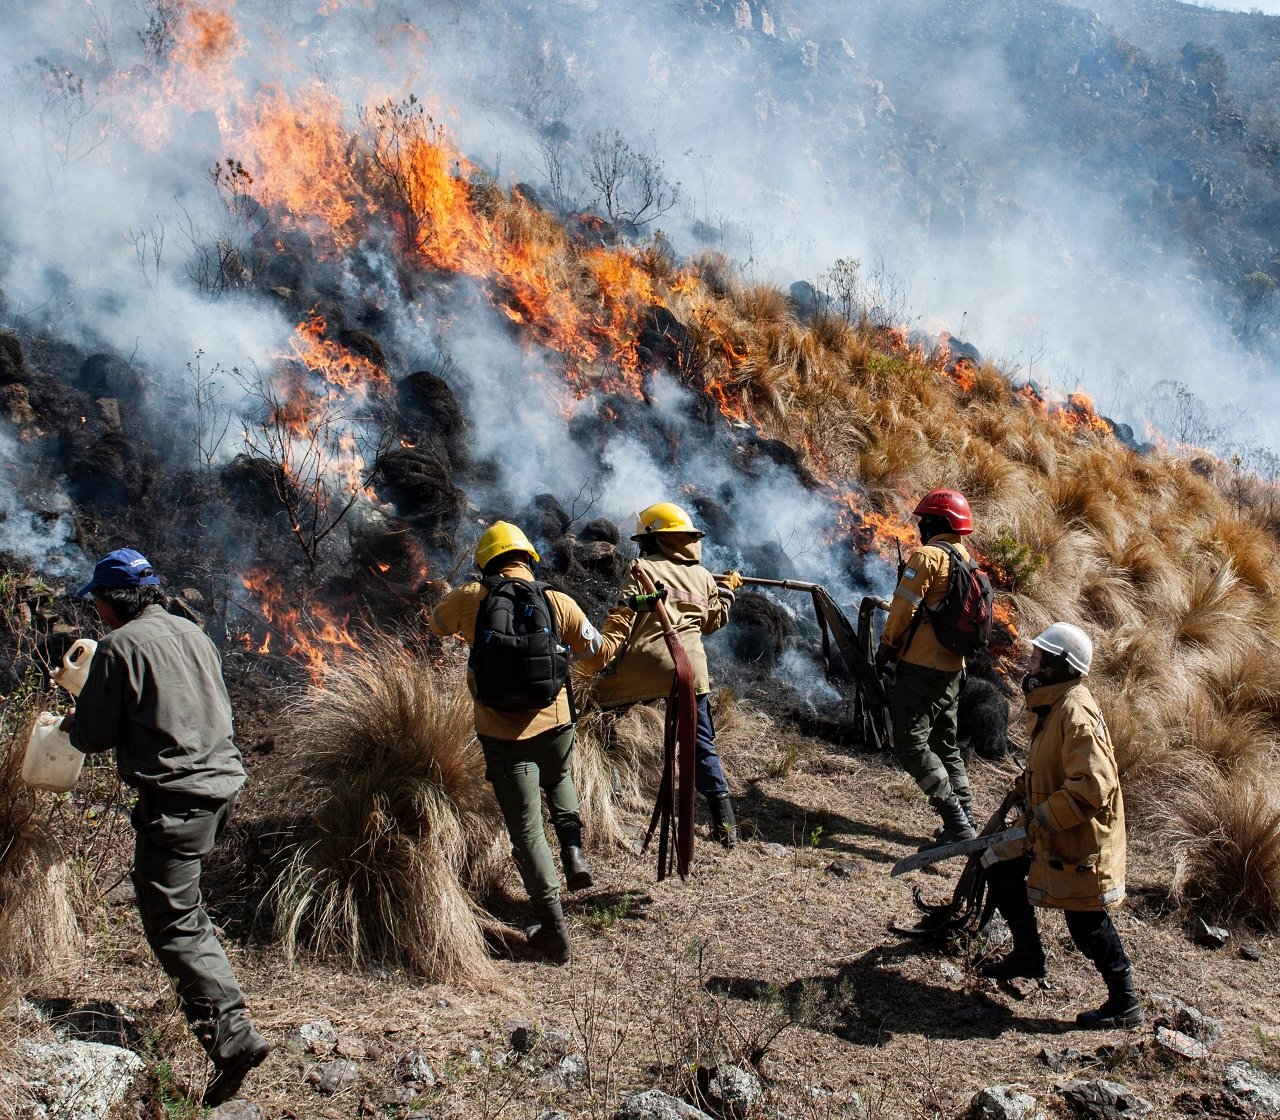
(950, 505)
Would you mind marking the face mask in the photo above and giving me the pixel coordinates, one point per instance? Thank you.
(1030, 684)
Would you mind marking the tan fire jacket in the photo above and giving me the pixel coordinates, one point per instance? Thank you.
(456, 614)
(695, 605)
(924, 581)
(1074, 801)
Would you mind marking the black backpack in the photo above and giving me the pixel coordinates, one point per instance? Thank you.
(962, 620)
(516, 658)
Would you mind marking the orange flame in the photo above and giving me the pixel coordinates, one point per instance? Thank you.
(313, 633)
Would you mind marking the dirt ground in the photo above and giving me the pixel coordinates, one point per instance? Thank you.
(763, 954)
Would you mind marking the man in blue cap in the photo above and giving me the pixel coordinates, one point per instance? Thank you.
(154, 693)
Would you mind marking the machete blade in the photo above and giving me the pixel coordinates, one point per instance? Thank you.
(959, 848)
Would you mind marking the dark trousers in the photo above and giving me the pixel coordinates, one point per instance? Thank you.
(923, 704)
(709, 777)
(1093, 931)
(174, 834)
(520, 771)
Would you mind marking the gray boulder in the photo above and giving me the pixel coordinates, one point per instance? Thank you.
(72, 1080)
(730, 1091)
(236, 1110)
(333, 1077)
(653, 1104)
(1003, 1102)
(1105, 1100)
(1258, 1091)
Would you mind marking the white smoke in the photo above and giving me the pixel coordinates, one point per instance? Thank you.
(36, 528)
(104, 221)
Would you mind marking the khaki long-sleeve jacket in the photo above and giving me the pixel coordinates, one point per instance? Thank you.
(456, 615)
(923, 585)
(1075, 806)
(695, 604)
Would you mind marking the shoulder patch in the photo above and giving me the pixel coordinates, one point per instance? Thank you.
(909, 573)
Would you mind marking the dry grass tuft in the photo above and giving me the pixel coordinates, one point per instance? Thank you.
(402, 828)
(39, 933)
(1225, 832)
(1212, 612)
(617, 764)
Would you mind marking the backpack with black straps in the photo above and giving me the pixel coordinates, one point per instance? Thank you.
(962, 620)
(517, 660)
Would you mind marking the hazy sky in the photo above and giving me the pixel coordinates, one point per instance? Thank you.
(1271, 7)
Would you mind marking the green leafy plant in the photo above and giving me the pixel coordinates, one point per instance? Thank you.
(1018, 563)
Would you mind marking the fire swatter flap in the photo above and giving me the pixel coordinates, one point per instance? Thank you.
(870, 699)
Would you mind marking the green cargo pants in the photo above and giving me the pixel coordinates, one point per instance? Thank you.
(517, 769)
(923, 706)
(174, 834)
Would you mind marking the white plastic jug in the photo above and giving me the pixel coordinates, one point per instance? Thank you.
(75, 665)
(51, 762)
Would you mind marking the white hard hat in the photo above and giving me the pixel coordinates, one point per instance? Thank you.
(1067, 641)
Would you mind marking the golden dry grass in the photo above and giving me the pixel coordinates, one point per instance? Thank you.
(1225, 831)
(39, 933)
(403, 830)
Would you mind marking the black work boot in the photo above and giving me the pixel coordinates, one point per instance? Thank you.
(1026, 961)
(1122, 1008)
(723, 824)
(955, 824)
(229, 1072)
(576, 872)
(550, 935)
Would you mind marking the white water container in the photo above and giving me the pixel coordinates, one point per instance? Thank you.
(75, 665)
(51, 762)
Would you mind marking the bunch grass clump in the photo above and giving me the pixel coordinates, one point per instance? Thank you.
(1225, 832)
(39, 932)
(402, 831)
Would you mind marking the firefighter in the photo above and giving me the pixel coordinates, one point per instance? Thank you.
(529, 750)
(154, 694)
(923, 678)
(697, 603)
(1074, 856)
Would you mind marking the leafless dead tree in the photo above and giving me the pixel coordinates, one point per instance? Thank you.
(631, 184)
(325, 452)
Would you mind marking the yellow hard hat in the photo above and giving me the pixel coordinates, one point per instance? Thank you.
(664, 517)
(502, 537)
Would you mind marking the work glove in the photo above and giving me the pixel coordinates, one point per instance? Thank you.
(644, 602)
(730, 581)
(884, 657)
(1010, 849)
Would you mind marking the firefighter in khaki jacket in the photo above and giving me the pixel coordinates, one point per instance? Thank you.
(1075, 827)
(527, 753)
(696, 604)
(924, 693)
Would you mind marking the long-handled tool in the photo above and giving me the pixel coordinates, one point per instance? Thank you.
(970, 906)
(673, 810)
(937, 854)
(871, 706)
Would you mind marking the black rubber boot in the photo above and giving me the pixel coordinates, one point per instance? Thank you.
(550, 936)
(230, 1072)
(1122, 1009)
(724, 826)
(955, 824)
(576, 872)
(1027, 959)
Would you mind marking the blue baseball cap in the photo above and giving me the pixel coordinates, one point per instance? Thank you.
(122, 568)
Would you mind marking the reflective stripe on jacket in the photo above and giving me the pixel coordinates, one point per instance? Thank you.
(456, 615)
(1074, 801)
(923, 585)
